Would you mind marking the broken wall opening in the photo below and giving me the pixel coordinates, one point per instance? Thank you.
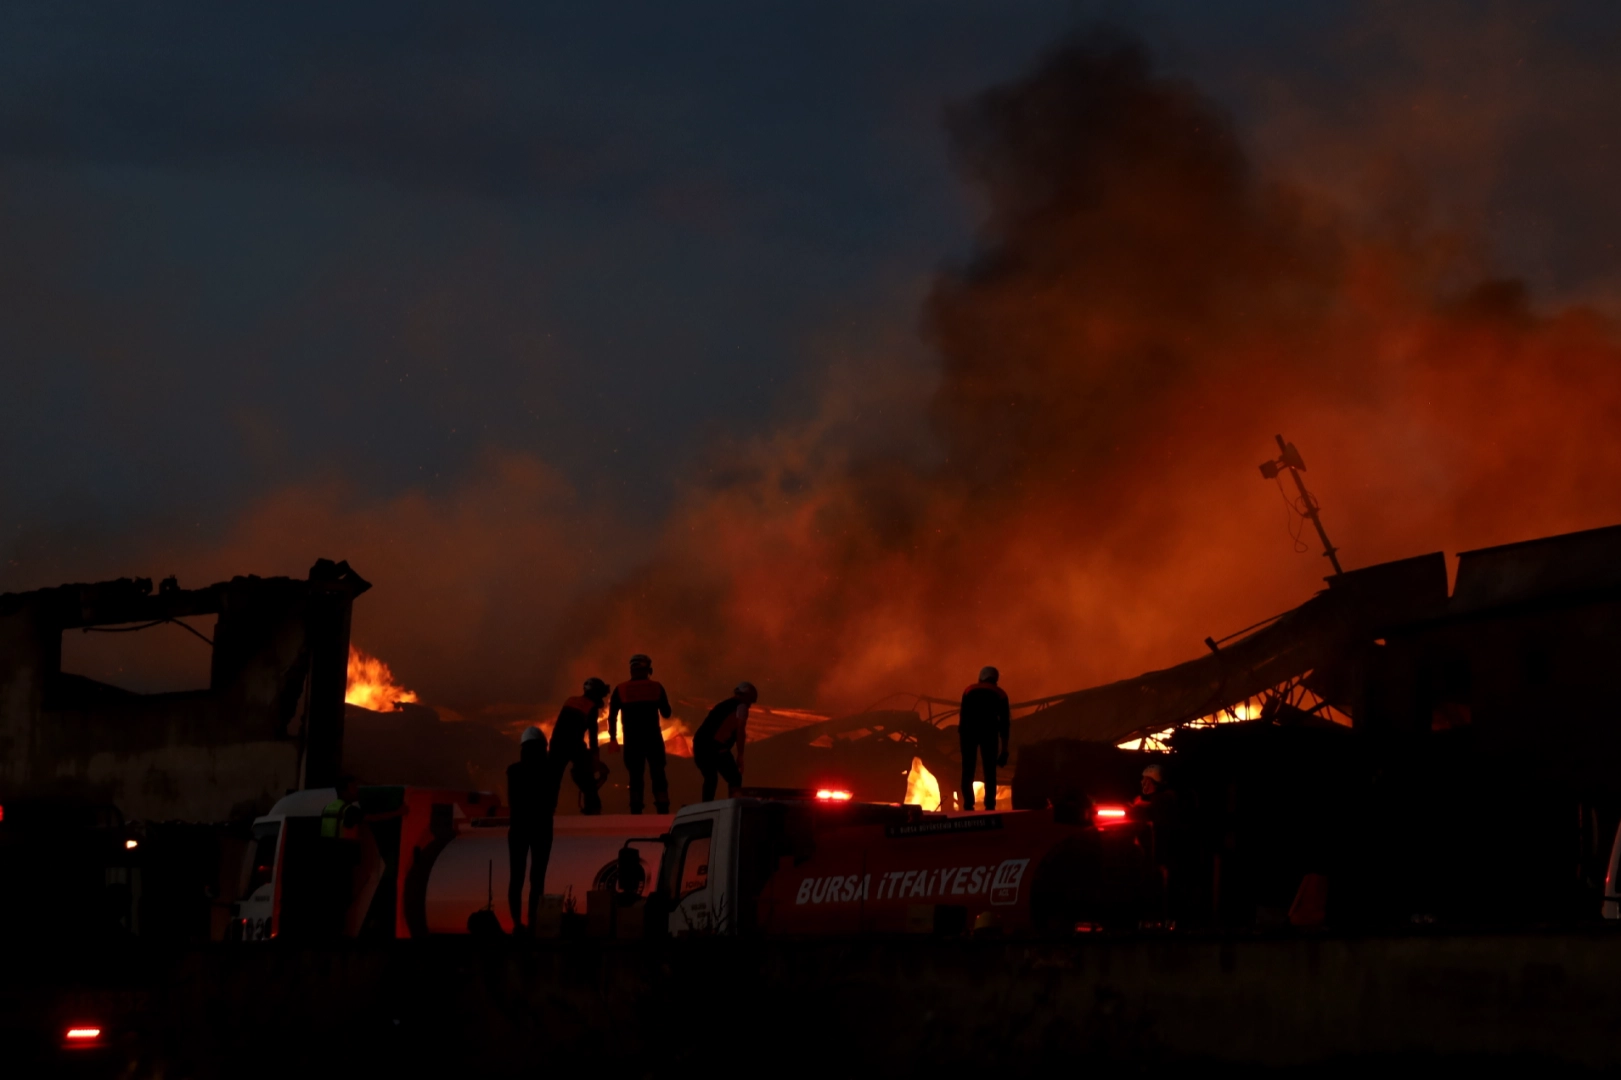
(153, 657)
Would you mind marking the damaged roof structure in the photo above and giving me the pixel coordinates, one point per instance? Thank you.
(269, 720)
(1313, 642)
(1522, 650)
(1530, 633)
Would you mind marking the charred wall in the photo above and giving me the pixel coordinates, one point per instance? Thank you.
(269, 720)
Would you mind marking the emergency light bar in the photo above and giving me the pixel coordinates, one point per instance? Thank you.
(1109, 815)
(829, 795)
(82, 1036)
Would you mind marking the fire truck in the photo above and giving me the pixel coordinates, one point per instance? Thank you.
(809, 863)
(772, 862)
(825, 864)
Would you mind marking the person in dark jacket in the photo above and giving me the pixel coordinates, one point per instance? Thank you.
(533, 800)
(983, 724)
(723, 730)
(1158, 806)
(574, 745)
(641, 702)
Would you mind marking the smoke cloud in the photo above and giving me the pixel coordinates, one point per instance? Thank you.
(1145, 308)
(1071, 493)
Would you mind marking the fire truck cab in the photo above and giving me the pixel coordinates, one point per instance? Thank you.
(809, 866)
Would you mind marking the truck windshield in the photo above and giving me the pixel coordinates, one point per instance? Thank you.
(263, 869)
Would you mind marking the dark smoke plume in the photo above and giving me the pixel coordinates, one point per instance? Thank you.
(1145, 308)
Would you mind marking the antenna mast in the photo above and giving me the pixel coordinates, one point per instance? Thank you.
(1289, 458)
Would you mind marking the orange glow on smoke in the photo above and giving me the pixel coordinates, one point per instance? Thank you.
(1068, 487)
(372, 685)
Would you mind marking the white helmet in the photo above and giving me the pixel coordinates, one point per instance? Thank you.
(531, 733)
(989, 674)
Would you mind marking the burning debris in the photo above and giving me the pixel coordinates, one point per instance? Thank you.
(371, 684)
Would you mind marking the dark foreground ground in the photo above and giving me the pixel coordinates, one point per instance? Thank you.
(1524, 1004)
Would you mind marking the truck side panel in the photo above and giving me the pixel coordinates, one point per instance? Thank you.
(473, 869)
(873, 879)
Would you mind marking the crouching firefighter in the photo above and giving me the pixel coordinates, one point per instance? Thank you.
(641, 702)
(574, 746)
(984, 723)
(723, 730)
(533, 800)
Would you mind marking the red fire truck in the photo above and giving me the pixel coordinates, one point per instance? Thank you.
(807, 863)
(799, 863)
(826, 865)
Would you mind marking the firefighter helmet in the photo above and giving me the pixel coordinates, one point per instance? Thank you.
(989, 674)
(595, 687)
(747, 692)
(531, 733)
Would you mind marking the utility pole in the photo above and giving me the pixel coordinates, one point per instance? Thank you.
(1289, 458)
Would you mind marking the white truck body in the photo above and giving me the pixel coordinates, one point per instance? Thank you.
(442, 878)
(585, 850)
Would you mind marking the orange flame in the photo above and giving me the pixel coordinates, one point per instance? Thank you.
(372, 686)
(676, 739)
(922, 788)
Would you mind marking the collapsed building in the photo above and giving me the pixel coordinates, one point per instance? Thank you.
(1523, 649)
(1432, 756)
(269, 720)
(126, 811)
(1391, 738)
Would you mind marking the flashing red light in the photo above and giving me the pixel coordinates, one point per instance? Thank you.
(83, 1034)
(829, 795)
(1109, 815)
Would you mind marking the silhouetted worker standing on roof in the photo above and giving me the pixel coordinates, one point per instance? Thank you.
(983, 723)
(642, 702)
(533, 801)
(725, 727)
(574, 745)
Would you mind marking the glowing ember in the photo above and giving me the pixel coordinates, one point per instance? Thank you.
(922, 789)
(372, 686)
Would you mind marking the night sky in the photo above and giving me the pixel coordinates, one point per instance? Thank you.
(479, 296)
